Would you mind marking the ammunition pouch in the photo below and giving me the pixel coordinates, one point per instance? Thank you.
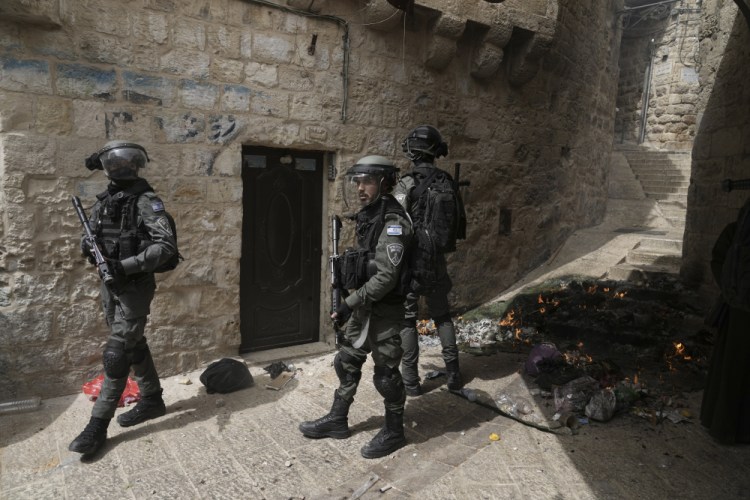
(354, 268)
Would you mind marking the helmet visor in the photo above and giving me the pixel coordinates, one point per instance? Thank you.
(123, 163)
(361, 190)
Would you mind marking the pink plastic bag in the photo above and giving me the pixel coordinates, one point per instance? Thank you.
(131, 394)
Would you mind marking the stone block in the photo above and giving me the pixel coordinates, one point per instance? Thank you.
(180, 127)
(207, 10)
(53, 116)
(25, 75)
(139, 88)
(150, 27)
(43, 13)
(186, 63)
(273, 49)
(224, 40)
(270, 103)
(235, 98)
(15, 114)
(106, 49)
(25, 326)
(227, 70)
(266, 75)
(119, 124)
(31, 154)
(197, 161)
(199, 95)
(189, 34)
(223, 128)
(85, 82)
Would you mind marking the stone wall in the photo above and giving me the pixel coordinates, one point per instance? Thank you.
(722, 142)
(659, 54)
(525, 100)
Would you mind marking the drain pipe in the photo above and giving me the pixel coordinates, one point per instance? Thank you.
(646, 92)
(338, 20)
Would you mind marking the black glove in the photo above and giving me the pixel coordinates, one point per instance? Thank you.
(116, 266)
(343, 313)
(87, 254)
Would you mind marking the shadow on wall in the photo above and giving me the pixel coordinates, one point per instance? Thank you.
(719, 152)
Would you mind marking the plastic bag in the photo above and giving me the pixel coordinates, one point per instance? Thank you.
(131, 394)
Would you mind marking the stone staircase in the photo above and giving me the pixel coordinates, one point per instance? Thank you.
(664, 177)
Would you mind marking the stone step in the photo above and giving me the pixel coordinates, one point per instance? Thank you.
(665, 190)
(660, 170)
(640, 257)
(659, 163)
(668, 197)
(663, 177)
(628, 272)
(651, 243)
(667, 187)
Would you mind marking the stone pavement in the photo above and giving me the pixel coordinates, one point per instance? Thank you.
(246, 444)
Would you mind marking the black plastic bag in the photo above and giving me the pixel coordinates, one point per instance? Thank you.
(226, 375)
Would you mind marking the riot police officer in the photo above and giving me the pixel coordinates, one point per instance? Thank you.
(422, 146)
(375, 271)
(136, 237)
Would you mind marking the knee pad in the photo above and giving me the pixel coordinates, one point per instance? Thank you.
(140, 351)
(384, 380)
(115, 360)
(341, 371)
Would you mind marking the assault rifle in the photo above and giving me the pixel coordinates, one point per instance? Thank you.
(105, 273)
(335, 265)
(729, 185)
(461, 229)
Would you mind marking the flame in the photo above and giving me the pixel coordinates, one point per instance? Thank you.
(606, 289)
(620, 295)
(540, 300)
(509, 319)
(592, 289)
(542, 310)
(679, 350)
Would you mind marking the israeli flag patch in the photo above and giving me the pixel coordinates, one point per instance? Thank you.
(395, 252)
(394, 230)
(157, 206)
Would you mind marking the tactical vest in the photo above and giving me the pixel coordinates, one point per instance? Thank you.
(116, 225)
(358, 265)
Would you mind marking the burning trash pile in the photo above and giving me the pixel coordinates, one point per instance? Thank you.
(593, 350)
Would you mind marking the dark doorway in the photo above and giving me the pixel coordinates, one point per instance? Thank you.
(281, 247)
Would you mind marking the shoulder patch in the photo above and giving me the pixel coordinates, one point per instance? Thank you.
(164, 225)
(395, 253)
(394, 230)
(400, 197)
(157, 205)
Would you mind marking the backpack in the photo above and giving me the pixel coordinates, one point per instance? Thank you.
(439, 220)
(735, 272)
(225, 376)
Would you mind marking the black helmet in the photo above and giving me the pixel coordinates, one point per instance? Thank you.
(424, 143)
(121, 159)
(375, 169)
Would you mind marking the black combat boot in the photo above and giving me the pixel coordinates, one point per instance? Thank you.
(92, 438)
(334, 425)
(413, 390)
(455, 382)
(389, 439)
(151, 406)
